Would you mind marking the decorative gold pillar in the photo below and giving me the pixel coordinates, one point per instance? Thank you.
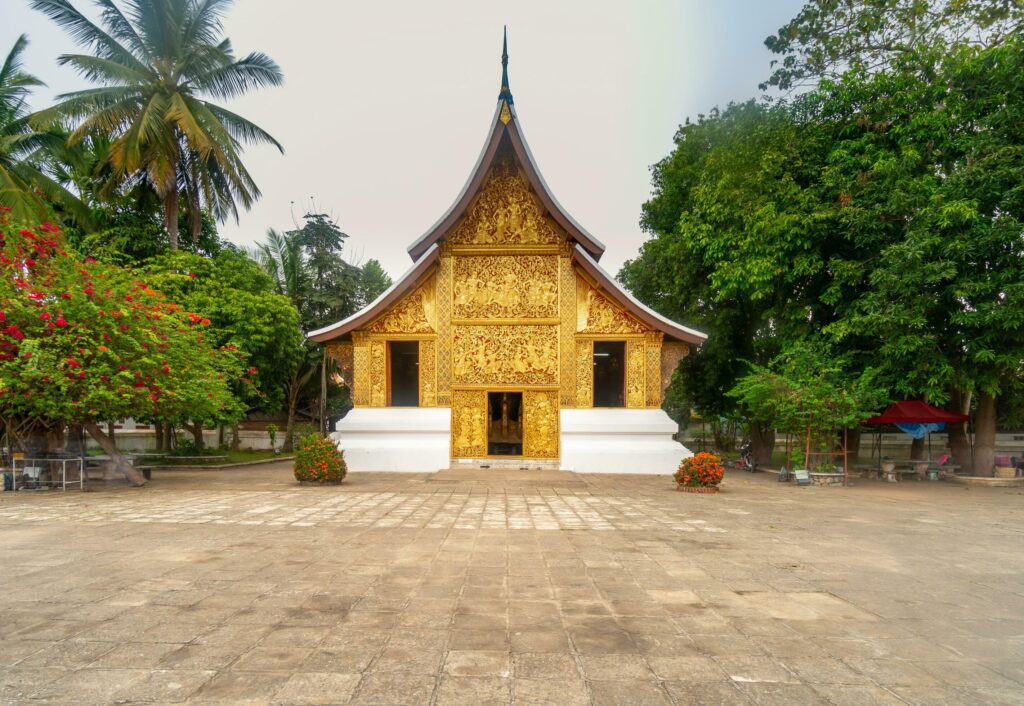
(636, 364)
(378, 373)
(653, 350)
(567, 333)
(444, 331)
(360, 369)
(428, 373)
(584, 372)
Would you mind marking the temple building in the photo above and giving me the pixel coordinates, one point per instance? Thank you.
(506, 340)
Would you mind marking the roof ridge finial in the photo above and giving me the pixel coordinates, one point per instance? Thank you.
(506, 92)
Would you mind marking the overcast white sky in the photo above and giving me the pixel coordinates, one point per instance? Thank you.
(386, 104)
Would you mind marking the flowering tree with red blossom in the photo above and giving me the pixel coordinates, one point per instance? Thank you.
(82, 342)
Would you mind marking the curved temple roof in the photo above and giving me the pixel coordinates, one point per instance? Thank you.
(588, 250)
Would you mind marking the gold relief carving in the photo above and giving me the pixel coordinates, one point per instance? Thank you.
(584, 373)
(509, 355)
(360, 371)
(428, 374)
(540, 417)
(653, 370)
(342, 354)
(378, 373)
(505, 286)
(506, 114)
(671, 353)
(469, 423)
(596, 314)
(407, 316)
(635, 378)
(505, 212)
(444, 331)
(567, 341)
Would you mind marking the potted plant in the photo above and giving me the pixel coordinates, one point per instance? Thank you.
(700, 473)
(318, 460)
(827, 474)
(888, 467)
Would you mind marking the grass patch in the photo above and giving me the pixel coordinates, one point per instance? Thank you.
(216, 459)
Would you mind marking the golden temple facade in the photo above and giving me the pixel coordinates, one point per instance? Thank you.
(504, 304)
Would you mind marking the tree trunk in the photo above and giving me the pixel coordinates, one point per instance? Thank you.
(171, 216)
(197, 434)
(289, 428)
(853, 445)
(959, 444)
(236, 441)
(195, 216)
(985, 435)
(917, 448)
(762, 436)
(118, 462)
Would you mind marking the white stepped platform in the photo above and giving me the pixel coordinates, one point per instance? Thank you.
(620, 441)
(418, 439)
(410, 439)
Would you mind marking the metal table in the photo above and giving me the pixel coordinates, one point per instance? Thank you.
(27, 463)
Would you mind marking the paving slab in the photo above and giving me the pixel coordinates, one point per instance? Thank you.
(500, 587)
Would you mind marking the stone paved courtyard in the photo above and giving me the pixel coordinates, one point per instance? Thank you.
(496, 587)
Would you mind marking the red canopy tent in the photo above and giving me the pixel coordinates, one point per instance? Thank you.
(913, 412)
(916, 412)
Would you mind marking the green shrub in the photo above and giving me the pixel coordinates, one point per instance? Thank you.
(318, 460)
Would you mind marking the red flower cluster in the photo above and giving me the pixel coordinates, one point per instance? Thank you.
(318, 460)
(701, 471)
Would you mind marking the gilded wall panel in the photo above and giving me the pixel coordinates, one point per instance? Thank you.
(428, 373)
(540, 421)
(378, 373)
(505, 213)
(584, 373)
(636, 384)
(342, 355)
(414, 313)
(505, 355)
(505, 287)
(671, 353)
(444, 331)
(567, 329)
(595, 313)
(653, 369)
(360, 370)
(469, 423)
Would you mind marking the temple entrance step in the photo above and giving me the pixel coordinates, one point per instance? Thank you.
(505, 478)
(505, 464)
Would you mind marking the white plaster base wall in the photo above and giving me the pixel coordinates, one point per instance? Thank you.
(410, 439)
(620, 441)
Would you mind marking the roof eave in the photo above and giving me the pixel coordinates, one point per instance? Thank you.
(379, 305)
(643, 313)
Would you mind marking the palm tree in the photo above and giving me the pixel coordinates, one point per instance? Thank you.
(156, 63)
(25, 186)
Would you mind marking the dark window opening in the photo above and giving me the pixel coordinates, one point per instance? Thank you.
(504, 423)
(404, 371)
(609, 373)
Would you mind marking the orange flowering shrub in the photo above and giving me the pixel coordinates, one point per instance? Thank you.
(318, 460)
(702, 470)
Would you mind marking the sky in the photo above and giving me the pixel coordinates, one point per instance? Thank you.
(385, 105)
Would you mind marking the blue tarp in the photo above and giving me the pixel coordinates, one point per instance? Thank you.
(919, 431)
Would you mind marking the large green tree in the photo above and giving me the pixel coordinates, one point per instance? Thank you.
(82, 343)
(158, 64)
(307, 266)
(245, 312)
